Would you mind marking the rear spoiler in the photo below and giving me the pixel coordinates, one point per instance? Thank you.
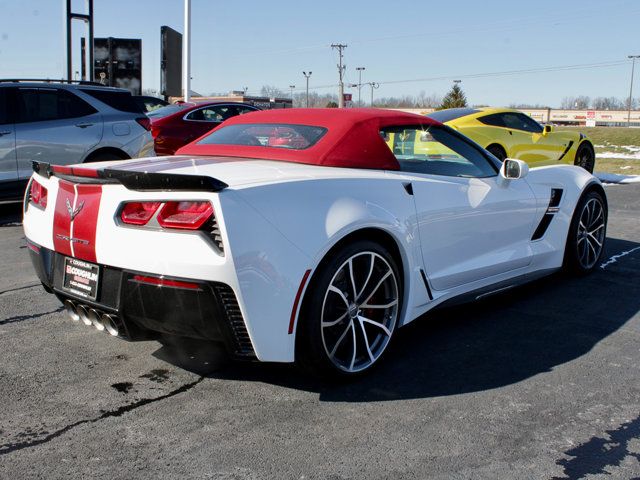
(139, 181)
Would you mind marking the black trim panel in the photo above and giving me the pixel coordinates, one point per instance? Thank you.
(426, 284)
(552, 209)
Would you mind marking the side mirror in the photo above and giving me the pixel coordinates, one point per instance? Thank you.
(547, 129)
(513, 169)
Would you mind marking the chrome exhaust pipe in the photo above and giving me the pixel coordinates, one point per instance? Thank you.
(110, 324)
(94, 317)
(83, 313)
(71, 309)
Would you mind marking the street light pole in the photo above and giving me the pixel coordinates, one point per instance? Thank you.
(633, 65)
(359, 69)
(372, 85)
(291, 95)
(307, 75)
(186, 52)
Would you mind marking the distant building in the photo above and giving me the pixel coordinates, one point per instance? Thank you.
(239, 96)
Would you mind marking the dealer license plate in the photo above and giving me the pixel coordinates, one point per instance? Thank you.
(81, 278)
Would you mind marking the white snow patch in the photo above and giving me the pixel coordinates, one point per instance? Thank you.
(615, 258)
(615, 178)
(625, 156)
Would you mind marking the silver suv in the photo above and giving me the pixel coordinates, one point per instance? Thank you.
(62, 123)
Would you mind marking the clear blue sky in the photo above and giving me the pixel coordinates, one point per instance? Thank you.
(254, 43)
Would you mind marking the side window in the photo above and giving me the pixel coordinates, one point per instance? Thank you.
(242, 109)
(4, 111)
(495, 120)
(519, 121)
(213, 113)
(39, 105)
(435, 151)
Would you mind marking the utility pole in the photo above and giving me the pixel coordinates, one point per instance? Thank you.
(372, 85)
(633, 65)
(186, 52)
(307, 75)
(340, 47)
(291, 87)
(359, 69)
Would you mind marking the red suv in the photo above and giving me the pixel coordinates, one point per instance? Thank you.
(176, 125)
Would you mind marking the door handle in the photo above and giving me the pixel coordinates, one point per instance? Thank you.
(84, 125)
(7, 132)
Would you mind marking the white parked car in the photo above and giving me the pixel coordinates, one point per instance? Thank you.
(304, 235)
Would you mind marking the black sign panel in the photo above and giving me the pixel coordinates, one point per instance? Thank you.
(118, 63)
(171, 62)
(81, 278)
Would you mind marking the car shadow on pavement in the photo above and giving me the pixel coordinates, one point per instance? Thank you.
(10, 213)
(498, 341)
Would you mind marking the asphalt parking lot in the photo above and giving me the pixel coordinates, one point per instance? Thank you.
(539, 382)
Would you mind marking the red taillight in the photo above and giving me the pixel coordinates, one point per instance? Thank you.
(185, 215)
(38, 194)
(165, 282)
(155, 131)
(144, 122)
(138, 213)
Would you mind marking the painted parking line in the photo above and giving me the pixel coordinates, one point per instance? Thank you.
(615, 258)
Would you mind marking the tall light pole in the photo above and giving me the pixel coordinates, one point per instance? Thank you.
(359, 69)
(307, 75)
(186, 51)
(373, 85)
(340, 47)
(633, 65)
(291, 95)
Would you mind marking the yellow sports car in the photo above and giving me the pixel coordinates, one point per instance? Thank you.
(508, 133)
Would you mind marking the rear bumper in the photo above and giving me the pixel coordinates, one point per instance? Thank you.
(190, 308)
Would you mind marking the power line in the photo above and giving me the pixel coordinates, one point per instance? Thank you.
(558, 68)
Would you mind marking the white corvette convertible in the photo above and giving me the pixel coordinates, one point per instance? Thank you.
(304, 235)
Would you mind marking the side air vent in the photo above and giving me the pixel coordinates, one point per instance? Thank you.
(552, 209)
(216, 236)
(241, 340)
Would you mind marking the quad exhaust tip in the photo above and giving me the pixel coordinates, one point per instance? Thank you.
(94, 316)
(91, 316)
(109, 324)
(72, 310)
(83, 312)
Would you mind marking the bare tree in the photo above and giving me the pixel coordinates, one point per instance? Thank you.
(271, 91)
(608, 103)
(579, 103)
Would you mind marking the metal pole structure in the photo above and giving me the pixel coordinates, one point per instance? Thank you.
(291, 87)
(87, 18)
(359, 69)
(186, 52)
(307, 75)
(373, 85)
(341, 68)
(90, 21)
(633, 65)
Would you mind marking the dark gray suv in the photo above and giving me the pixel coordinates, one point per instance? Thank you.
(61, 124)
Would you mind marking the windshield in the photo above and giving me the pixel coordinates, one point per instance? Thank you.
(451, 114)
(295, 137)
(168, 110)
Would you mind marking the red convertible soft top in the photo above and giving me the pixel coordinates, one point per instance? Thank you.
(352, 139)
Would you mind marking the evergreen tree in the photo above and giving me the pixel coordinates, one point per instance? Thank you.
(454, 99)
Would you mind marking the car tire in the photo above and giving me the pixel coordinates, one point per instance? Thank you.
(497, 151)
(587, 234)
(585, 157)
(350, 313)
(105, 157)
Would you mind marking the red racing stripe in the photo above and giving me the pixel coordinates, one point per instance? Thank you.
(86, 221)
(62, 219)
